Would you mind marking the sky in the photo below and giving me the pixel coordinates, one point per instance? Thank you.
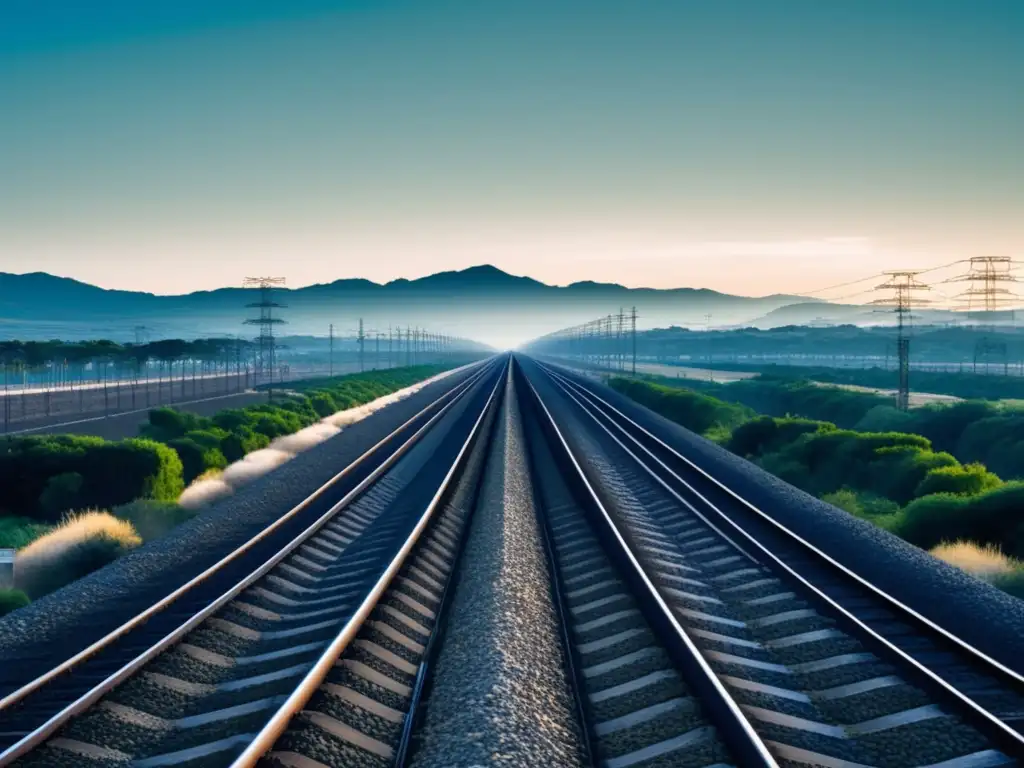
(751, 147)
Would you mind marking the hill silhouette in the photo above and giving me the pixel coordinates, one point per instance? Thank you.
(481, 302)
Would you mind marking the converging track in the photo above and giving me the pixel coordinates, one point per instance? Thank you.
(220, 655)
(686, 627)
(823, 667)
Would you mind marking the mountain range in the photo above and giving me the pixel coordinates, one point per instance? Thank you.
(483, 303)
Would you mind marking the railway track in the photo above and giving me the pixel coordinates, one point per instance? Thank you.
(222, 664)
(696, 632)
(823, 667)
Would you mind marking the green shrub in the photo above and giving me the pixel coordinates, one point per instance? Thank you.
(61, 494)
(237, 444)
(11, 600)
(885, 418)
(767, 434)
(112, 472)
(231, 419)
(208, 438)
(167, 423)
(152, 519)
(994, 517)
(960, 479)
(18, 532)
(864, 505)
(78, 546)
(323, 403)
(196, 459)
(697, 412)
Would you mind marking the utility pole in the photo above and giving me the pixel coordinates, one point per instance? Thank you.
(362, 338)
(391, 363)
(331, 332)
(707, 330)
(376, 353)
(903, 284)
(266, 360)
(632, 318)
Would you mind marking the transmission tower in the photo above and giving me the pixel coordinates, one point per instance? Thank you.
(985, 298)
(904, 286)
(266, 356)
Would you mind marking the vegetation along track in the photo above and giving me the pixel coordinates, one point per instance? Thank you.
(193, 683)
(826, 668)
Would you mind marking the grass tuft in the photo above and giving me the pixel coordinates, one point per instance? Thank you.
(986, 563)
(81, 544)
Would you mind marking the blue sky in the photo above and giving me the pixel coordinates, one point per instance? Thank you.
(752, 147)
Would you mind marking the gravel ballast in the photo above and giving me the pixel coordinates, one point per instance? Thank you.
(980, 614)
(69, 618)
(500, 691)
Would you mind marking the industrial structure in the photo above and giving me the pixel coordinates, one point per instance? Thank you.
(266, 354)
(904, 286)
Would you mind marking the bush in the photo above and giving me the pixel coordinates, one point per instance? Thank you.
(61, 494)
(152, 519)
(78, 546)
(323, 404)
(698, 413)
(167, 423)
(195, 459)
(18, 532)
(995, 517)
(885, 418)
(208, 438)
(112, 472)
(767, 434)
(11, 600)
(961, 479)
(863, 505)
(241, 442)
(887, 464)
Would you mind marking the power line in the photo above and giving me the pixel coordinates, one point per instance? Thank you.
(875, 277)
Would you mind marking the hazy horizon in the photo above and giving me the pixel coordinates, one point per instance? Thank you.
(746, 147)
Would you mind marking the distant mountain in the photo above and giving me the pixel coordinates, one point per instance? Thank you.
(820, 313)
(482, 302)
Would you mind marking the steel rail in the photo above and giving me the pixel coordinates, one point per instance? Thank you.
(894, 602)
(989, 723)
(34, 738)
(425, 671)
(743, 739)
(264, 740)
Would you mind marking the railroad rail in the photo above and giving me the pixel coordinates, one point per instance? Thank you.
(283, 595)
(697, 630)
(825, 667)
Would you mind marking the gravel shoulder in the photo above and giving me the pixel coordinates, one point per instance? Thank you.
(81, 612)
(987, 618)
(500, 692)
